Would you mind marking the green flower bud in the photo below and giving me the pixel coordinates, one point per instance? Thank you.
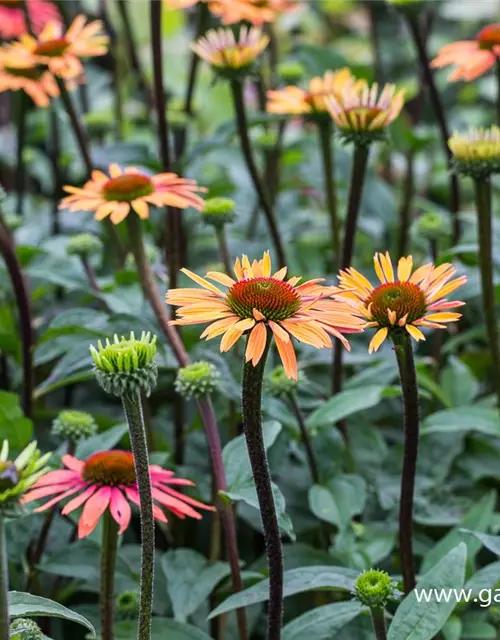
(267, 140)
(127, 605)
(432, 226)
(25, 629)
(278, 384)
(13, 221)
(218, 211)
(152, 256)
(74, 425)
(17, 476)
(125, 366)
(84, 245)
(197, 379)
(374, 588)
(291, 72)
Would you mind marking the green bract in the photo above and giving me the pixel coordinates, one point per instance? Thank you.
(17, 476)
(74, 425)
(197, 379)
(218, 211)
(432, 226)
(374, 588)
(84, 245)
(126, 365)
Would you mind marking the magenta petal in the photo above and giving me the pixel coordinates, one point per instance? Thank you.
(120, 509)
(79, 500)
(57, 499)
(174, 503)
(95, 506)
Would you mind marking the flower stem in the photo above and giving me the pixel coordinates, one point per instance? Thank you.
(194, 63)
(405, 208)
(21, 141)
(220, 232)
(325, 131)
(265, 203)
(408, 375)
(378, 620)
(484, 224)
(252, 428)
(4, 583)
(306, 440)
(108, 564)
(226, 511)
(23, 303)
(497, 69)
(133, 411)
(420, 44)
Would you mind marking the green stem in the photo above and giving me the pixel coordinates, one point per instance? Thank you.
(497, 69)
(20, 179)
(405, 209)
(252, 428)
(378, 620)
(4, 584)
(130, 43)
(265, 203)
(108, 564)
(409, 386)
(325, 130)
(220, 232)
(306, 440)
(484, 224)
(133, 411)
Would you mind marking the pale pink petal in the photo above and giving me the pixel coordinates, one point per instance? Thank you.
(120, 509)
(57, 499)
(57, 477)
(171, 502)
(79, 500)
(73, 463)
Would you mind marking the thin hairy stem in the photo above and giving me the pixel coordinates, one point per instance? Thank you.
(405, 208)
(109, 551)
(4, 583)
(306, 440)
(130, 43)
(325, 130)
(20, 179)
(378, 620)
(220, 232)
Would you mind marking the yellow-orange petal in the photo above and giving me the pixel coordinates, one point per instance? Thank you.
(120, 212)
(288, 358)
(378, 339)
(443, 317)
(415, 332)
(256, 343)
(202, 282)
(405, 265)
(141, 208)
(229, 339)
(221, 278)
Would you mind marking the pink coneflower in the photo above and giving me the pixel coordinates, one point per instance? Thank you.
(107, 480)
(13, 24)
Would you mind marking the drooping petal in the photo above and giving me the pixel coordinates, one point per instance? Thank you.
(79, 500)
(120, 509)
(94, 508)
(415, 333)
(256, 344)
(72, 463)
(378, 339)
(288, 358)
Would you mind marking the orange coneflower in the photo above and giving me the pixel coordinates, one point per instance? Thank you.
(471, 58)
(257, 12)
(404, 301)
(258, 302)
(61, 50)
(223, 50)
(116, 194)
(296, 101)
(20, 72)
(12, 18)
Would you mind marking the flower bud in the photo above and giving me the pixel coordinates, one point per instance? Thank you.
(127, 605)
(374, 588)
(126, 365)
(432, 226)
(278, 384)
(291, 72)
(84, 245)
(74, 425)
(476, 153)
(197, 379)
(17, 476)
(25, 629)
(218, 211)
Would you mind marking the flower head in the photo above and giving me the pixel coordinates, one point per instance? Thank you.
(62, 50)
(471, 58)
(107, 480)
(278, 384)
(127, 605)
(313, 101)
(218, 211)
(403, 301)
(229, 54)
(84, 245)
(12, 18)
(477, 152)
(197, 379)
(25, 629)
(115, 195)
(263, 305)
(374, 588)
(19, 71)
(74, 425)
(257, 12)
(362, 113)
(17, 476)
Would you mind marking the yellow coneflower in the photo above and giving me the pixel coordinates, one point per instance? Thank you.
(477, 152)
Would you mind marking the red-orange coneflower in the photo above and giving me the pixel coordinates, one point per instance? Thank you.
(404, 301)
(258, 302)
(122, 190)
(471, 58)
(106, 480)
(20, 72)
(13, 22)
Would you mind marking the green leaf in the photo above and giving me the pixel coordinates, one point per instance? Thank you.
(22, 605)
(490, 542)
(161, 629)
(336, 503)
(422, 620)
(479, 517)
(322, 623)
(14, 427)
(345, 404)
(294, 581)
(190, 580)
(465, 419)
(458, 383)
(486, 578)
(101, 441)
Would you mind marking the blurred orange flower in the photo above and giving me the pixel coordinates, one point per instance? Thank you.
(223, 50)
(116, 194)
(257, 12)
(471, 58)
(20, 72)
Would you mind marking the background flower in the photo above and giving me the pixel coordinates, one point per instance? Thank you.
(12, 20)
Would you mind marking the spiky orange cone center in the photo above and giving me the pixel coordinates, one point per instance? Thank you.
(110, 468)
(405, 299)
(52, 48)
(276, 300)
(489, 37)
(127, 187)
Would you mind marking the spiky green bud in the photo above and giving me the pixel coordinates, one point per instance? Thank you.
(13, 221)
(374, 588)
(17, 476)
(74, 425)
(278, 384)
(84, 245)
(197, 379)
(126, 365)
(218, 211)
(291, 72)
(127, 605)
(25, 629)
(432, 226)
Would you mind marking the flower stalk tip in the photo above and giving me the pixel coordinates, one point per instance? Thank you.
(197, 379)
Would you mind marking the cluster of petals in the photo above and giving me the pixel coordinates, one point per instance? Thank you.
(256, 12)
(471, 58)
(97, 497)
(429, 284)
(20, 72)
(294, 100)
(477, 144)
(311, 317)
(223, 49)
(121, 191)
(13, 21)
(360, 107)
